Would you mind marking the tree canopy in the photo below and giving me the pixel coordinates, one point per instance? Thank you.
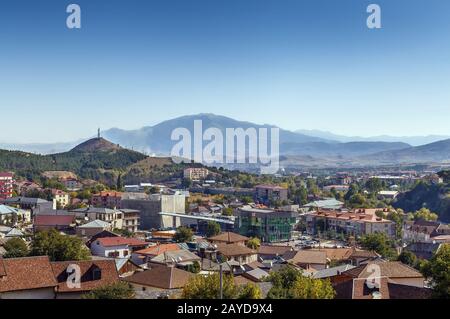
(183, 235)
(58, 247)
(120, 290)
(438, 270)
(15, 248)
(289, 283)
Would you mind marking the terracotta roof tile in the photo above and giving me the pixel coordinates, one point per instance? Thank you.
(228, 237)
(161, 277)
(119, 241)
(26, 273)
(107, 271)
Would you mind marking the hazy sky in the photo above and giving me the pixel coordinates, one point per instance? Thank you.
(298, 64)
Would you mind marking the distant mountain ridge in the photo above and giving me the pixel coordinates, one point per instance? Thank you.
(411, 140)
(294, 147)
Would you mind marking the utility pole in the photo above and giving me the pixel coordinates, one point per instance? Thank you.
(221, 281)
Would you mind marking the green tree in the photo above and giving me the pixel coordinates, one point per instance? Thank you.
(15, 248)
(379, 243)
(195, 267)
(425, 214)
(183, 235)
(212, 229)
(227, 211)
(208, 287)
(408, 258)
(249, 291)
(254, 243)
(289, 283)
(119, 290)
(58, 247)
(438, 270)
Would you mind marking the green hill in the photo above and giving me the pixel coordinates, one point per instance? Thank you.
(95, 159)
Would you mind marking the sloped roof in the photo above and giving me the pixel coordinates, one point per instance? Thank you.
(390, 269)
(229, 250)
(161, 277)
(325, 273)
(228, 237)
(14, 233)
(119, 241)
(256, 274)
(273, 250)
(26, 273)
(95, 224)
(158, 249)
(53, 220)
(177, 256)
(107, 268)
(306, 257)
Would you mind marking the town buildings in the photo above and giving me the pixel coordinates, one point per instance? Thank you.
(357, 222)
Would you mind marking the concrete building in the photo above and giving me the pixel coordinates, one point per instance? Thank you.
(269, 193)
(152, 205)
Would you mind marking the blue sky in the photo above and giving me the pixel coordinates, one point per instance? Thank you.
(298, 64)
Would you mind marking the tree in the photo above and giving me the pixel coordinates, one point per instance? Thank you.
(254, 243)
(379, 243)
(408, 258)
(119, 290)
(227, 211)
(289, 283)
(212, 229)
(195, 267)
(58, 247)
(183, 235)
(437, 269)
(208, 287)
(425, 214)
(15, 248)
(249, 291)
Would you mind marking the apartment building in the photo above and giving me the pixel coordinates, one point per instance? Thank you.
(6, 185)
(107, 199)
(357, 222)
(269, 193)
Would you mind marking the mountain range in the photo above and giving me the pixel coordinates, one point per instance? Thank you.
(295, 147)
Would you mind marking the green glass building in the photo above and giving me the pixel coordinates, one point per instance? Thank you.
(267, 224)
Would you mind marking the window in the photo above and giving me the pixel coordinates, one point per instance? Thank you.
(96, 274)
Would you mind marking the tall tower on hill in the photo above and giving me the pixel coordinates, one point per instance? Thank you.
(98, 134)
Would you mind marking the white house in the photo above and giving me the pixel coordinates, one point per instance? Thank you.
(117, 247)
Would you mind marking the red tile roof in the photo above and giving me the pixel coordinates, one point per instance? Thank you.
(229, 238)
(161, 277)
(158, 249)
(53, 220)
(26, 273)
(119, 241)
(107, 268)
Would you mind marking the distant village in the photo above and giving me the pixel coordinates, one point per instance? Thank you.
(72, 238)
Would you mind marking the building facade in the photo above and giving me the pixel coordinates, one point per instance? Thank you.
(267, 224)
(270, 193)
(6, 185)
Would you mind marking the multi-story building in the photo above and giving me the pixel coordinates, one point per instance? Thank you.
(151, 206)
(107, 199)
(357, 222)
(267, 224)
(60, 197)
(194, 173)
(131, 220)
(72, 184)
(6, 185)
(112, 216)
(269, 193)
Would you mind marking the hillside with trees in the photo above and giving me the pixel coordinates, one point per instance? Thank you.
(435, 197)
